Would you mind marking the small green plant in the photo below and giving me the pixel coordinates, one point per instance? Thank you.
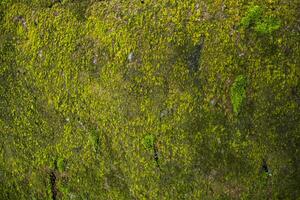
(238, 93)
(262, 24)
(61, 165)
(267, 26)
(94, 140)
(148, 141)
(252, 16)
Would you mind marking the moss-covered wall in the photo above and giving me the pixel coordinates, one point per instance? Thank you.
(155, 100)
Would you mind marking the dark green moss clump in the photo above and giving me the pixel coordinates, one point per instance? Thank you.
(261, 22)
(238, 93)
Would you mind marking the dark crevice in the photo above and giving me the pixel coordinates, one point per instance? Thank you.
(53, 185)
(195, 55)
(155, 150)
(53, 2)
(265, 167)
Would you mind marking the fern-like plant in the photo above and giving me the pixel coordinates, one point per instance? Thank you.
(238, 93)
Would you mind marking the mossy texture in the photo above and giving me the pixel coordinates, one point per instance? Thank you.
(210, 88)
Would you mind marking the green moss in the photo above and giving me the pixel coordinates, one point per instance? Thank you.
(263, 24)
(252, 16)
(238, 93)
(148, 141)
(64, 70)
(267, 25)
(61, 165)
(94, 140)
